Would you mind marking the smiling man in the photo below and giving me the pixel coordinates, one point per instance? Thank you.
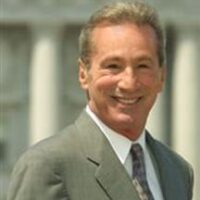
(107, 154)
(125, 75)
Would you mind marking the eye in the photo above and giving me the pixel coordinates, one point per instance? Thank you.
(144, 66)
(113, 66)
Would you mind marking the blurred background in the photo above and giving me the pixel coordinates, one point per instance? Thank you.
(39, 89)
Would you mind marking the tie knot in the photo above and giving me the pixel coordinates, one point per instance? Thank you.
(138, 159)
(137, 151)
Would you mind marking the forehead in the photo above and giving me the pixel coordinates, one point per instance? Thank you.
(103, 30)
(129, 34)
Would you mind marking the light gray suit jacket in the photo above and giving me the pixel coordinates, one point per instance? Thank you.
(80, 164)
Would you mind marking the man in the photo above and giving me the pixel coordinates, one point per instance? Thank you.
(107, 154)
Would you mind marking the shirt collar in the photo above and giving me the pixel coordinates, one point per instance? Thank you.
(120, 144)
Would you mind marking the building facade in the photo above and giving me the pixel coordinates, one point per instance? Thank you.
(39, 91)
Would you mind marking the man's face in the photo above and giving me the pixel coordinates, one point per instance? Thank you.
(124, 76)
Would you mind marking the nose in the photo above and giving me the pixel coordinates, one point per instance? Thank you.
(129, 80)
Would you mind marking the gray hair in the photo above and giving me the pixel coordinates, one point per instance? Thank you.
(138, 13)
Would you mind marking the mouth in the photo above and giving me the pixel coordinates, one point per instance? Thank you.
(127, 100)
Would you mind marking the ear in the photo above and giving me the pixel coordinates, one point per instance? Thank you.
(83, 74)
(163, 73)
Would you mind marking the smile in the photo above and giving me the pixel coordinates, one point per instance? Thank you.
(127, 101)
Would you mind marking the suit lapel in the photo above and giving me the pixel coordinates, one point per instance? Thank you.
(113, 177)
(110, 173)
(171, 180)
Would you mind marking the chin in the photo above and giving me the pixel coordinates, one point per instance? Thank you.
(125, 119)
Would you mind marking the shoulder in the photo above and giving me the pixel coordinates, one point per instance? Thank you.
(173, 167)
(60, 148)
(169, 156)
(43, 165)
(50, 151)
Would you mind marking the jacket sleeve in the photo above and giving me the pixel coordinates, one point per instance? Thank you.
(36, 178)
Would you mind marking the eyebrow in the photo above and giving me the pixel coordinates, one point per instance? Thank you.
(144, 58)
(120, 59)
(112, 58)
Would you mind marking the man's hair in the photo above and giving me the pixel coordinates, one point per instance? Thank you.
(138, 13)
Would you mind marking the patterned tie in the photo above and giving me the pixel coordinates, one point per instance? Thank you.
(139, 173)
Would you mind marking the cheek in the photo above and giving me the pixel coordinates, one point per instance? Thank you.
(105, 83)
(151, 82)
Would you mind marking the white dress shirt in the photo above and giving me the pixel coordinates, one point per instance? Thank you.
(122, 145)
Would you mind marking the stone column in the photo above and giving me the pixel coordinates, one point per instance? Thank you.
(45, 87)
(186, 93)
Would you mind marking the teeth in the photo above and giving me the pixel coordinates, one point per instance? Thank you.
(127, 101)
